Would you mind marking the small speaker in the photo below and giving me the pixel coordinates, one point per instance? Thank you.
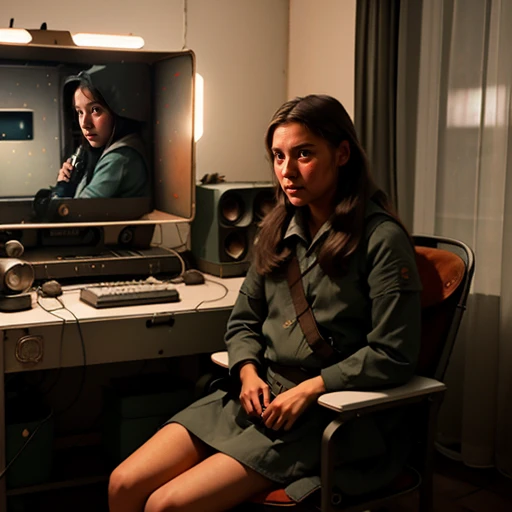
(16, 278)
(11, 249)
(225, 224)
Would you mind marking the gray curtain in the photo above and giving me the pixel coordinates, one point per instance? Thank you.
(464, 191)
(386, 69)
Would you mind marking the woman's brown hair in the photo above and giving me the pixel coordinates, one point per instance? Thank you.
(325, 117)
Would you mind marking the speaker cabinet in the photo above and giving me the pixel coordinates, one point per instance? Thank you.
(226, 221)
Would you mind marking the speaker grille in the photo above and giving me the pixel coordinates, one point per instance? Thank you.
(263, 203)
(236, 244)
(231, 208)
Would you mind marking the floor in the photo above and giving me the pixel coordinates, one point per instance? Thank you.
(457, 489)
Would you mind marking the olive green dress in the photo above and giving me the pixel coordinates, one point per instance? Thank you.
(372, 314)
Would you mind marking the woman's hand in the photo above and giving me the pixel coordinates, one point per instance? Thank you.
(288, 406)
(65, 171)
(253, 387)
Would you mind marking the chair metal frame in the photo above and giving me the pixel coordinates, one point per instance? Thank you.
(420, 389)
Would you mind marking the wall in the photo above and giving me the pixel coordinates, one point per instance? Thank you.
(322, 49)
(242, 51)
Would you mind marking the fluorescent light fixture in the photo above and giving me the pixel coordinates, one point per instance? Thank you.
(108, 41)
(199, 108)
(15, 35)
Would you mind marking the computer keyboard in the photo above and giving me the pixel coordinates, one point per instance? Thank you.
(129, 293)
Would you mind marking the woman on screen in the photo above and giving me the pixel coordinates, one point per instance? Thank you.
(110, 162)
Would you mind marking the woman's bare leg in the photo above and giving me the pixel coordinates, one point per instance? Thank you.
(216, 484)
(171, 451)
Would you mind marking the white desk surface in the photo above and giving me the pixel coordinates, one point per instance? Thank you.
(202, 297)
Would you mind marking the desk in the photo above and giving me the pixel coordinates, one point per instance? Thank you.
(194, 325)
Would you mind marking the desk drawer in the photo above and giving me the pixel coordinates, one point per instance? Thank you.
(114, 340)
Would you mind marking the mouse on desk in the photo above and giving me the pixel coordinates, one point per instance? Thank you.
(51, 289)
(192, 276)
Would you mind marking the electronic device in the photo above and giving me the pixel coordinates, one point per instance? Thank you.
(154, 88)
(68, 188)
(16, 278)
(225, 225)
(80, 264)
(128, 293)
(11, 249)
(51, 288)
(77, 156)
(192, 277)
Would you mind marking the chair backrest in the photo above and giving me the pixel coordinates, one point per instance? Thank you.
(446, 268)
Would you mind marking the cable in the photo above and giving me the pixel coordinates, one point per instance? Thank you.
(38, 294)
(84, 359)
(82, 343)
(178, 255)
(36, 430)
(25, 444)
(183, 243)
(56, 381)
(226, 291)
(4, 471)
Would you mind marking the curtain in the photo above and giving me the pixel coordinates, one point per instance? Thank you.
(375, 86)
(463, 189)
(386, 84)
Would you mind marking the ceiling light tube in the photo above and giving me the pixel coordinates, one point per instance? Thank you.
(15, 35)
(108, 41)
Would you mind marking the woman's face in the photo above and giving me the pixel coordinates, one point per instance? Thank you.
(95, 121)
(307, 166)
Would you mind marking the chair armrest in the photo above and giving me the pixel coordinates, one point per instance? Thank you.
(342, 401)
(221, 358)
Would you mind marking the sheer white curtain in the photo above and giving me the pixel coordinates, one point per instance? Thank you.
(463, 189)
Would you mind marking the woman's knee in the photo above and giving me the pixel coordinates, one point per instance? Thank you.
(122, 482)
(163, 501)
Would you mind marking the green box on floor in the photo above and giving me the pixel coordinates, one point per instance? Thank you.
(136, 407)
(33, 464)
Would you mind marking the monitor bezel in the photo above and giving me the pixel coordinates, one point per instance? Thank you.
(80, 211)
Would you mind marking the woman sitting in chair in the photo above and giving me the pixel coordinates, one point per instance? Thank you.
(333, 232)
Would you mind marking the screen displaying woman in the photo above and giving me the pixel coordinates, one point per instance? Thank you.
(111, 160)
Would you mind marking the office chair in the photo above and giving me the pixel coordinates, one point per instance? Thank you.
(446, 268)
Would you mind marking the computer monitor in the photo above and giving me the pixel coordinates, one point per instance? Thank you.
(38, 132)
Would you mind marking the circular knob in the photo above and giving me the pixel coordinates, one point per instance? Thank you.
(63, 210)
(29, 349)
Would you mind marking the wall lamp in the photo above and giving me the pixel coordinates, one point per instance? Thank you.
(65, 38)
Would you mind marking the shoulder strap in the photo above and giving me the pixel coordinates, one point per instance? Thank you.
(304, 313)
